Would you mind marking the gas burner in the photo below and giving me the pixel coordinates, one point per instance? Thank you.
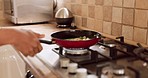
(111, 45)
(76, 51)
(110, 70)
(78, 54)
(63, 26)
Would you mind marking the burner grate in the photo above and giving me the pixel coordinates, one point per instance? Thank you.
(118, 54)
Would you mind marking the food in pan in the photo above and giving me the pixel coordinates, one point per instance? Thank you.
(79, 39)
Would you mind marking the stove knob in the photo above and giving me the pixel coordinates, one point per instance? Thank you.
(29, 74)
(107, 70)
(72, 67)
(91, 76)
(121, 77)
(32, 76)
(81, 73)
(64, 62)
(118, 70)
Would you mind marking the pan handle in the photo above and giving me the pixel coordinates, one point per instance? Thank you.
(46, 42)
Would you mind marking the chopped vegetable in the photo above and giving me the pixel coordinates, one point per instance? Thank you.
(79, 39)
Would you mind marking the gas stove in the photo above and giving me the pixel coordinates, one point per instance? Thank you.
(107, 59)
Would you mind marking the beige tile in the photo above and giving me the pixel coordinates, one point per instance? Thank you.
(0, 5)
(129, 3)
(117, 3)
(140, 35)
(98, 25)
(73, 1)
(107, 27)
(78, 1)
(99, 2)
(91, 23)
(72, 8)
(91, 2)
(68, 6)
(116, 29)
(141, 18)
(84, 22)
(84, 1)
(117, 15)
(99, 12)
(107, 13)
(91, 11)
(128, 16)
(143, 4)
(108, 2)
(64, 4)
(127, 32)
(84, 11)
(78, 20)
(77, 9)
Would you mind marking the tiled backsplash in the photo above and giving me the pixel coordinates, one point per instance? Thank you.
(128, 18)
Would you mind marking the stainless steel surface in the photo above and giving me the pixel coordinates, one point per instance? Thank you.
(63, 13)
(76, 51)
(28, 11)
(132, 68)
(8, 9)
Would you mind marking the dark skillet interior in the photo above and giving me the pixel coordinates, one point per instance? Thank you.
(75, 34)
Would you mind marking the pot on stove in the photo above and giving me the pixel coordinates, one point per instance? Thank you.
(64, 18)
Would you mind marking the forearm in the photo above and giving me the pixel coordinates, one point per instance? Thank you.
(4, 36)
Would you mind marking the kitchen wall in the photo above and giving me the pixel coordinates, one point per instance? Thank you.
(128, 18)
(1, 10)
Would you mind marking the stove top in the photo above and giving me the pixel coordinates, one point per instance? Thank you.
(107, 59)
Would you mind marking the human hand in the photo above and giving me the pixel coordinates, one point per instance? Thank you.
(26, 41)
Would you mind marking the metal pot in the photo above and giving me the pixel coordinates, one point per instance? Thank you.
(61, 37)
(64, 17)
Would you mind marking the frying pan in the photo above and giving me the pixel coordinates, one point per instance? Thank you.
(61, 38)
